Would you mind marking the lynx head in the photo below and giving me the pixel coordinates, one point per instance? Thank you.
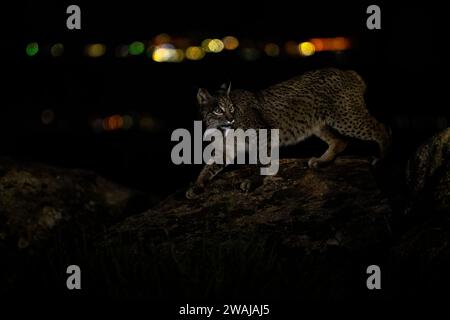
(218, 109)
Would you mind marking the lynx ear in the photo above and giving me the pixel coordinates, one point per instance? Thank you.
(224, 86)
(229, 89)
(203, 97)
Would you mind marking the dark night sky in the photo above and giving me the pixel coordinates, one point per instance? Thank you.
(403, 64)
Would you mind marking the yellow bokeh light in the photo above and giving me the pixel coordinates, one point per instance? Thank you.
(195, 53)
(215, 45)
(272, 49)
(306, 49)
(165, 54)
(205, 45)
(95, 50)
(178, 56)
(160, 54)
(230, 42)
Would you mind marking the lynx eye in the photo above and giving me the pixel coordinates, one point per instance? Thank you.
(231, 108)
(218, 112)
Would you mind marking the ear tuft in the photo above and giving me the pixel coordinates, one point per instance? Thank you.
(203, 96)
(229, 89)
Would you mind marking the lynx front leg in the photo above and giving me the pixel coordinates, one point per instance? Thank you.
(336, 145)
(208, 172)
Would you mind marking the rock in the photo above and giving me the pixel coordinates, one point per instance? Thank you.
(421, 255)
(419, 261)
(301, 233)
(428, 175)
(36, 201)
(49, 218)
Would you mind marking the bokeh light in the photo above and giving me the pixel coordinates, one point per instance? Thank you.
(215, 45)
(47, 116)
(122, 51)
(97, 125)
(340, 44)
(205, 45)
(128, 122)
(318, 44)
(272, 49)
(57, 50)
(147, 123)
(306, 49)
(249, 54)
(291, 48)
(136, 48)
(32, 49)
(115, 122)
(331, 44)
(230, 42)
(162, 38)
(195, 53)
(95, 50)
(167, 53)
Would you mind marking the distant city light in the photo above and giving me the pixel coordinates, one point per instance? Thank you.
(47, 116)
(147, 123)
(115, 122)
(230, 42)
(318, 44)
(95, 50)
(306, 49)
(136, 48)
(195, 53)
(122, 51)
(249, 54)
(127, 122)
(32, 49)
(291, 48)
(167, 54)
(215, 45)
(205, 45)
(272, 49)
(162, 39)
(57, 50)
(331, 44)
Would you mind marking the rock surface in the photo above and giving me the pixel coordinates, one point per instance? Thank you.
(428, 174)
(48, 219)
(38, 200)
(304, 232)
(422, 253)
(301, 234)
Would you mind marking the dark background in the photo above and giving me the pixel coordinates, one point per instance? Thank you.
(402, 63)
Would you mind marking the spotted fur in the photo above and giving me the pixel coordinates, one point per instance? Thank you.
(327, 103)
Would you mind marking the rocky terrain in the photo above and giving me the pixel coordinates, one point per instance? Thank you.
(300, 234)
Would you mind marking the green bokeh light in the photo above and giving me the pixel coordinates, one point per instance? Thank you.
(32, 49)
(136, 48)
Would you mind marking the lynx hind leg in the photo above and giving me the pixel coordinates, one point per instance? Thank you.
(364, 127)
(336, 144)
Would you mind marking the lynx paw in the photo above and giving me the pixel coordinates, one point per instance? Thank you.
(314, 163)
(246, 185)
(375, 162)
(193, 192)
